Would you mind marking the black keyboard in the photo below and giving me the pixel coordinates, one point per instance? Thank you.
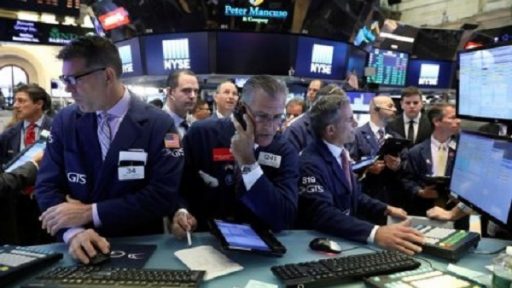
(99, 277)
(332, 271)
(17, 261)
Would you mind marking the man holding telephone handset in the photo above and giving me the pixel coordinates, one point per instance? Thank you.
(242, 172)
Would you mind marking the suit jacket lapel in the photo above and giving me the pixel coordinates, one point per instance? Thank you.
(16, 140)
(329, 159)
(427, 155)
(370, 138)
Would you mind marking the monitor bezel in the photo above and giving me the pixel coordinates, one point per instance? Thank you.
(468, 202)
(457, 99)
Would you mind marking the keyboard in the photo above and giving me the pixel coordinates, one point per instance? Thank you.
(17, 261)
(447, 243)
(103, 277)
(332, 271)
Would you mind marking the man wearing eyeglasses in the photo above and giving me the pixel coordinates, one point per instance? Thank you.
(113, 163)
(239, 174)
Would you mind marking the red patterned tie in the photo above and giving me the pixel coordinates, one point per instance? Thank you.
(30, 134)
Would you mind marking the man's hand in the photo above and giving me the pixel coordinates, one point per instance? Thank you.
(429, 192)
(376, 167)
(181, 223)
(393, 163)
(66, 215)
(82, 245)
(38, 157)
(242, 143)
(396, 212)
(399, 237)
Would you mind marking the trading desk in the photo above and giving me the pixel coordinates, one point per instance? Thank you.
(257, 267)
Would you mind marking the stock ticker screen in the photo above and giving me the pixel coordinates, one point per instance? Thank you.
(390, 67)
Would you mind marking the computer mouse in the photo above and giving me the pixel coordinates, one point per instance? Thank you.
(324, 245)
(99, 258)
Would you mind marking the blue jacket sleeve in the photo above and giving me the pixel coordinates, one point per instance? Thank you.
(275, 200)
(319, 207)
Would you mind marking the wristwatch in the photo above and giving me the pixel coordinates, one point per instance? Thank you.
(249, 168)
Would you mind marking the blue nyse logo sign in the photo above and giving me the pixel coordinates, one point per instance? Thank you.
(321, 59)
(176, 54)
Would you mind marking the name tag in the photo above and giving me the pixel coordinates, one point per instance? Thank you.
(269, 159)
(130, 173)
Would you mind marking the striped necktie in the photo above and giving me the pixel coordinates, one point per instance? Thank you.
(104, 133)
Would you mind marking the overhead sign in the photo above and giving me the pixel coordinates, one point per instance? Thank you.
(114, 19)
(168, 52)
(255, 12)
(38, 33)
(131, 60)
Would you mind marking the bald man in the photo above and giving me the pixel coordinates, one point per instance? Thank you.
(380, 180)
(226, 98)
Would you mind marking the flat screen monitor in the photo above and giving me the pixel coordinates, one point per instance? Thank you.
(356, 61)
(129, 51)
(430, 73)
(360, 100)
(165, 53)
(319, 58)
(254, 53)
(390, 67)
(485, 89)
(482, 174)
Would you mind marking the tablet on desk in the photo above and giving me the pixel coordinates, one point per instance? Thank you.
(245, 237)
(25, 155)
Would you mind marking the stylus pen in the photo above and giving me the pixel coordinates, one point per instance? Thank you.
(189, 238)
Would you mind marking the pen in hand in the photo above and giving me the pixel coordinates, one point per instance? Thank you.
(189, 238)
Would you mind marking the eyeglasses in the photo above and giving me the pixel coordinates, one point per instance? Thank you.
(73, 79)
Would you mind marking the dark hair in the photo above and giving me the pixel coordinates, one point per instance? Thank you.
(35, 93)
(436, 112)
(97, 52)
(266, 83)
(410, 91)
(157, 103)
(326, 110)
(172, 79)
(200, 102)
(297, 101)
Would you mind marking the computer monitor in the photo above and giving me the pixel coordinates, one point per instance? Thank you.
(430, 73)
(320, 58)
(485, 89)
(390, 67)
(360, 100)
(131, 60)
(482, 174)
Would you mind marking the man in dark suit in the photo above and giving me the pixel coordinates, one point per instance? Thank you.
(432, 157)
(329, 198)
(380, 180)
(30, 103)
(113, 163)
(412, 124)
(241, 174)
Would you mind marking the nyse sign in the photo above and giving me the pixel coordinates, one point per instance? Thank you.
(125, 52)
(321, 59)
(176, 54)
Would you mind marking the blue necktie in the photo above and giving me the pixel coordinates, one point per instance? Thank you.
(104, 133)
(381, 137)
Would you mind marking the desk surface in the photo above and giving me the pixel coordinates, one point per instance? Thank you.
(257, 267)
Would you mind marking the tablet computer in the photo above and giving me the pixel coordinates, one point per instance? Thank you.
(246, 237)
(393, 146)
(363, 164)
(25, 155)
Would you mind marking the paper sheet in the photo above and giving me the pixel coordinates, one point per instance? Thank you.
(259, 284)
(208, 259)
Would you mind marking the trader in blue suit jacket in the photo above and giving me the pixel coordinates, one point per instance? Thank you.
(330, 200)
(424, 159)
(113, 164)
(380, 180)
(239, 174)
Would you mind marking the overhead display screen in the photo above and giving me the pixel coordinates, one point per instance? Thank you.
(390, 67)
(168, 52)
(430, 73)
(318, 58)
(129, 51)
